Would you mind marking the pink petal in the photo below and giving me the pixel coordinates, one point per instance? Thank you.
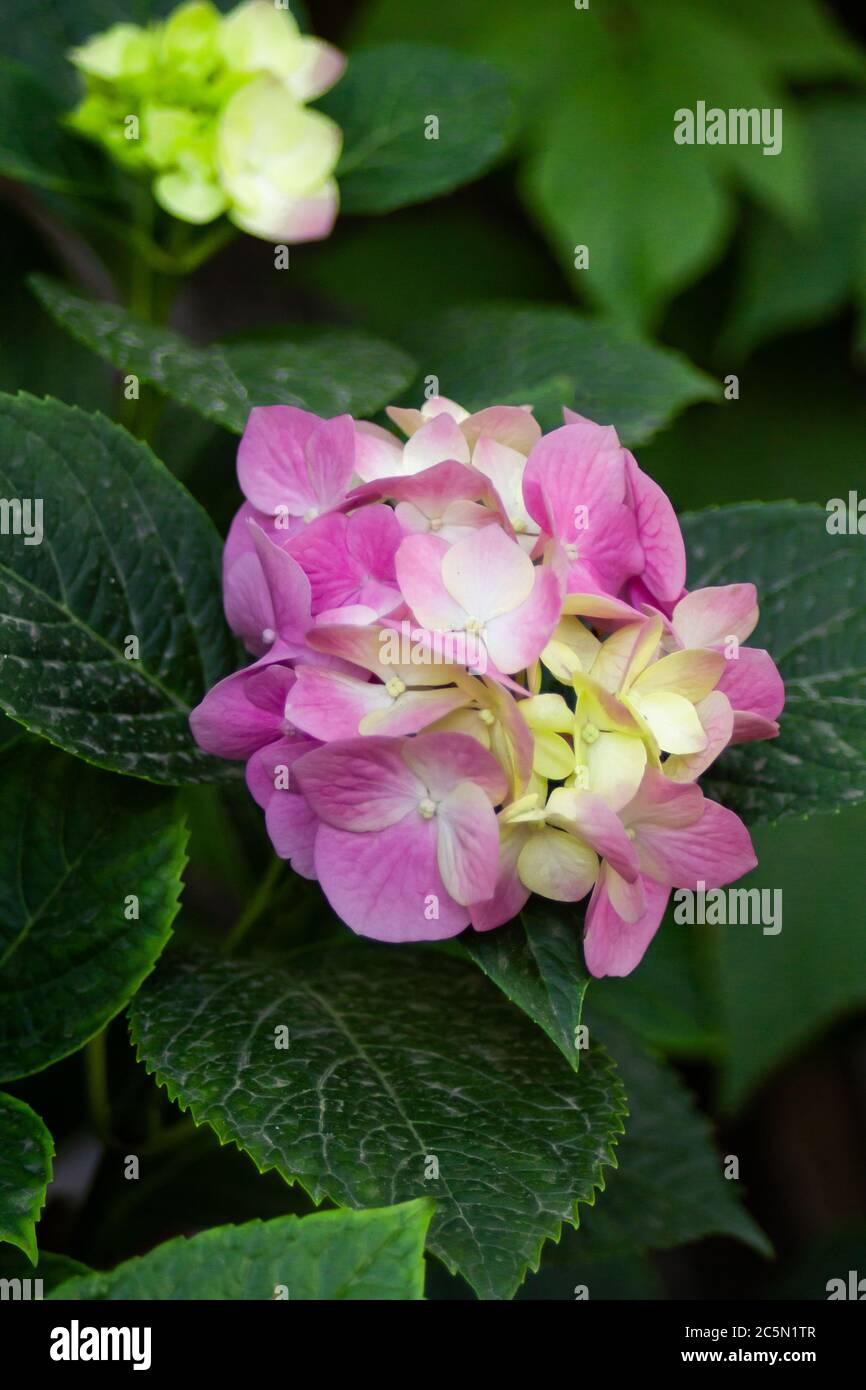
(292, 828)
(612, 946)
(518, 638)
(239, 540)
(609, 545)
(291, 459)
(419, 576)
(248, 605)
(511, 425)
(707, 616)
(413, 711)
(487, 574)
(662, 803)
(377, 453)
(369, 647)
(509, 895)
(387, 885)
(468, 844)
(593, 821)
(753, 684)
(640, 597)
(304, 219)
(244, 711)
(717, 719)
(440, 761)
(579, 465)
(716, 849)
(360, 784)
(329, 705)
(659, 533)
(288, 587)
(437, 440)
(350, 559)
(267, 763)
(749, 728)
(431, 491)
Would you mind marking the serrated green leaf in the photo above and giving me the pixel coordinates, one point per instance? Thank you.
(537, 962)
(812, 594)
(26, 1151)
(394, 1059)
(328, 1256)
(327, 370)
(384, 104)
(550, 357)
(669, 1186)
(125, 552)
(75, 846)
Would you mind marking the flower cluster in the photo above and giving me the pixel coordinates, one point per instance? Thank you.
(479, 675)
(212, 108)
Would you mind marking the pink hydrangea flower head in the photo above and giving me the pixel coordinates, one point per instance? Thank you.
(478, 674)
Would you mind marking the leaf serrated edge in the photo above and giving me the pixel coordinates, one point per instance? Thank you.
(27, 1242)
(606, 1158)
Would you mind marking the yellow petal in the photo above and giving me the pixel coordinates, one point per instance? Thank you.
(547, 713)
(673, 720)
(692, 674)
(553, 757)
(557, 865)
(616, 765)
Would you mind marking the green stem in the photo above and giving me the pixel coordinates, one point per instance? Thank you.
(96, 1076)
(254, 908)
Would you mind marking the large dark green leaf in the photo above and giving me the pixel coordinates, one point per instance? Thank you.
(669, 1186)
(125, 552)
(26, 1151)
(330, 1255)
(385, 104)
(399, 1062)
(326, 370)
(75, 846)
(537, 962)
(549, 357)
(812, 592)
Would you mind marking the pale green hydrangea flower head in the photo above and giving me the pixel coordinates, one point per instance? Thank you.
(213, 108)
